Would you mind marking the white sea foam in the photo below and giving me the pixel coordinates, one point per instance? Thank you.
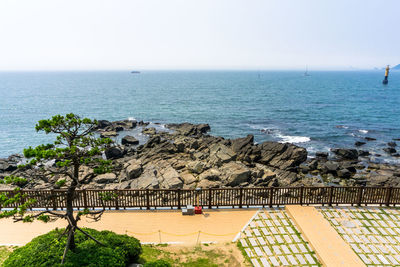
(131, 119)
(293, 139)
(363, 131)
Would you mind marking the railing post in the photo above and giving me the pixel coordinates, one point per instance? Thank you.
(209, 198)
(53, 199)
(85, 205)
(388, 195)
(179, 198)
(271, 192)
(240, 197)
(330, 195)
(360, 195)
(147, 199)
(301, 194)
(116, 199)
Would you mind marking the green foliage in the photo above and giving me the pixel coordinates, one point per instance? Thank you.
(14, 180)
(108, 196)
(60, 183)
(8, 199)
(157, 263)
(103, 167)
(47, 250)
(75, 143)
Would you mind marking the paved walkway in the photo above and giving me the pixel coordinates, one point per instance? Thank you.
(271, 239)
(372, 232)
(147, 226)
(326, 242)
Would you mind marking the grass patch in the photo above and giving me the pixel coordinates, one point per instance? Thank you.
(210, 255)
(4, 252)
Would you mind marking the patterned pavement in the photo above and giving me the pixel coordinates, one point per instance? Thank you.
(372, 232)
(271, 239)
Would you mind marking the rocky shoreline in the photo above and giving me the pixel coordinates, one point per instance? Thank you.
(185, 156)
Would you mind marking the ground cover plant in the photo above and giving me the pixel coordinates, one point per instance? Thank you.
(48, 249)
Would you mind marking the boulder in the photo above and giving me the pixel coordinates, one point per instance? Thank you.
(149, 131)
(148, 179)
(105, 178)
(195, 166)
(344, 173)
(189, 129)
(242, 145)
(282, 156)
(345, 153)
(188, 178)
(389, 150)
(208, 184)
(134, 169)
(330, 167)
(392, 144)
(220, 154)
(211, 175)
(235, 173)
(129, 140)
(114, 153)
(170, 178)
(102, 124)
(359, 143)
(108, 134)
(5, 166)
(320, 154)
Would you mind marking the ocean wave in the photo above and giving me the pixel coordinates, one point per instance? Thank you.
(342, 126)
(363, 131)
(293, 139)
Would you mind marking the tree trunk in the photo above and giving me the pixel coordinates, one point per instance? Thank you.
(70, 211)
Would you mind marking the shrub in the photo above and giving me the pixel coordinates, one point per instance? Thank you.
(157, 263)
(47, 250)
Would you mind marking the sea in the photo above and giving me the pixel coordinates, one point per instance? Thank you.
(324, 110)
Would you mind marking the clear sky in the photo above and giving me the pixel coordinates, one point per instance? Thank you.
(198, 34)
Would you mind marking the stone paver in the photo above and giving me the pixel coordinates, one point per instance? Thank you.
(375, 235)
(271, 239)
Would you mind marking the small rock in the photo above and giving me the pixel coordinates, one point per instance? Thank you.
(114, 153)
(129, 140)
(345, 153)
(359, 143)
(389, 150)
(344, 173)
(108, 134)
(392, 144)
(320, 154)
(369, 138)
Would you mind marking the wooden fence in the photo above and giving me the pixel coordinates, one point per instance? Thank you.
(211, 198)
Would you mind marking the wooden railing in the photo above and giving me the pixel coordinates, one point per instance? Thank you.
(210, 198)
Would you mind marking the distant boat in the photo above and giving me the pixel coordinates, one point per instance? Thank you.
(306, 72)
(135, 72)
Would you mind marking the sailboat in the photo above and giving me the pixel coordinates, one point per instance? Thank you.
(306, 72)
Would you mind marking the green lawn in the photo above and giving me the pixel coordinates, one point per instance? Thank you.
(200, 256)
(4, 252)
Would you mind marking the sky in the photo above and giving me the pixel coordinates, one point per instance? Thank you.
(193, 34)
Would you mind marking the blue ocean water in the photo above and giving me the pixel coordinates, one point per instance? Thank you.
(324, 110)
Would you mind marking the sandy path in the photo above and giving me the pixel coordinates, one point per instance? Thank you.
(147, 226)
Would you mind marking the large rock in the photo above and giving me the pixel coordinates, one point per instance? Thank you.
(241, 145)
(188, 178)
(170, 178)
(105, 178)
(211, 175)
(114, 153)
(108, 134)
(235, 173)
(148, 180)
(345, 153)
(6, 166)
(189, 129)
(282, 156)
(133, 169)
(195, 166)
(220, 154)
(129, 140)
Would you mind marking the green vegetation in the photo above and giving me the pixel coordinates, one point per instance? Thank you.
(47, 250)
(75, 145)
(4, 252)
(14, 180)
(199, 256)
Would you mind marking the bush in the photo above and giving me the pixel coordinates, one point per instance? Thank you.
(46, 250)
(157, 263)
